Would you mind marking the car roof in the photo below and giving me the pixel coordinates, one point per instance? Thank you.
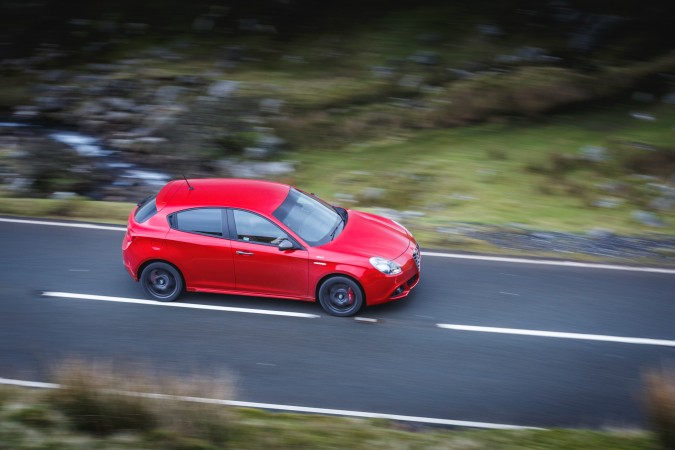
(262, 196)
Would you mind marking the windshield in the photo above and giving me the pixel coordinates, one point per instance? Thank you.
(310, 218)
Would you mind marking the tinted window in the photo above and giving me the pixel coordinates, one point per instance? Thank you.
(146, 209)
(253, 228)
(313, 220)
(204, 221)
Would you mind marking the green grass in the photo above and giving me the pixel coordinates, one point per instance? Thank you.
(483, 173)
(27, 421)
(75, 209)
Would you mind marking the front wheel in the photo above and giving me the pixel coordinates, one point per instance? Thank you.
(340, 296)
(162, 282)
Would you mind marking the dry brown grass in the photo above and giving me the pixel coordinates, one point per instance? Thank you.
(103, 398)
(660, 400)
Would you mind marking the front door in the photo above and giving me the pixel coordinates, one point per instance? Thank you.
(259, 265)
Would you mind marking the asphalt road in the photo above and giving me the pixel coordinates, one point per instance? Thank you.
(402, 364)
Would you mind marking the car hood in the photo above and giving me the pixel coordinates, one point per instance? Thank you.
(371, 235)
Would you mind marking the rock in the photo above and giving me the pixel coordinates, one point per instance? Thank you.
(643, 116)
(166, 95)
(345, 198)
(382, 71)
(373, 193)
(271, 142)
(461, 74)
(271, 105)
(60, 195)
(424, 57)
(608, 203)
(223, 88)
(118, 103)
(663, 203)
(410, 81)
(51, 104)
(647, 218)
(410, 214)
(487, 29)
(669, 98)
(25, 111)
(594, 153)
(600, 233)
(119, 117)
(256, 169)
(256, 153)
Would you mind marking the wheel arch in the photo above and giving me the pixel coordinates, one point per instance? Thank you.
(150, 261)
(337, 274)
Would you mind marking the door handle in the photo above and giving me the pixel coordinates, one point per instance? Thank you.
(240, 252)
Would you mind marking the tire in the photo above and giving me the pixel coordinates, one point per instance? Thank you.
(162, 282)
(340, 296)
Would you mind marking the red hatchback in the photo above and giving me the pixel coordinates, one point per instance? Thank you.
(266, 239)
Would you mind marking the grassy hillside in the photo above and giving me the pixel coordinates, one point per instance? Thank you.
(550, 116)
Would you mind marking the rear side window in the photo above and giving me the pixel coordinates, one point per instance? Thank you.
(203, 221)
(146, 209)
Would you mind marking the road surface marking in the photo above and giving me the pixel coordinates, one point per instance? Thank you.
(365, 319)
(509, 293)
(178, 305)
(299, 409)
(424, 253)
(546, 262)
(557, 334)
(63, 224)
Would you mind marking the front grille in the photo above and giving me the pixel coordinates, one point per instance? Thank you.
(416, 257)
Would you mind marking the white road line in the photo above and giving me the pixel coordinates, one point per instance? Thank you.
(546, 262)
(424, 253)
(365, 319)
(299, 409)
(178, 305)
(556, 334)
(63, 224)
(509, 293)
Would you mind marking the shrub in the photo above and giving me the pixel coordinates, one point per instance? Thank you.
(660, 400)
(102, 399)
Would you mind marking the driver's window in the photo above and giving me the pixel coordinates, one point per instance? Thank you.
(254, 228)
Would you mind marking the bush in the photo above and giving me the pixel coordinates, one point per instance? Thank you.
(101, 399)
(660, 400)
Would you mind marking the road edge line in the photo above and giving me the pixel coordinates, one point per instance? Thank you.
(292, 408)
(548, 262)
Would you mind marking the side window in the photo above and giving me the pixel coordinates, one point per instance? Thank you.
(203, 221)
(253, 228)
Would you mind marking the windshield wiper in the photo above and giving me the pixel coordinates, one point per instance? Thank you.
(342, 222)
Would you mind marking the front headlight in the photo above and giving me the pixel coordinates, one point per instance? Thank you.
(385, 266)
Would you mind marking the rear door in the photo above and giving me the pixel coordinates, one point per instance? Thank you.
(198, 243)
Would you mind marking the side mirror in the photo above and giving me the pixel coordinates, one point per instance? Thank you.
(285, 244)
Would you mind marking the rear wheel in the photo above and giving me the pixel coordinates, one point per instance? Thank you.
(162, 282)
(340, 296)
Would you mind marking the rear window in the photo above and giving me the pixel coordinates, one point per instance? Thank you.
(146, 209)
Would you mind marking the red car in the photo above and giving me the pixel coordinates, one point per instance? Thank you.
(266, 239)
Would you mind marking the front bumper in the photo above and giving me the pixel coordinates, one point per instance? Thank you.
(381, 288)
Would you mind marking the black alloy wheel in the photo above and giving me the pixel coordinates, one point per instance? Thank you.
(340, 296)
(162, 282)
